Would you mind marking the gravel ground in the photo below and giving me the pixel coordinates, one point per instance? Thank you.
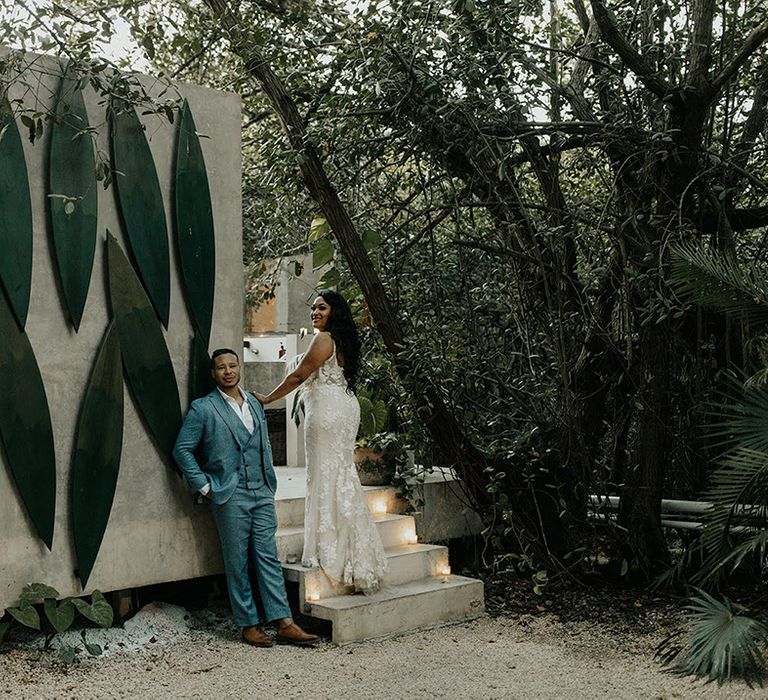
(508, 656)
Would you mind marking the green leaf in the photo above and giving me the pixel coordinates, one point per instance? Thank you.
(4, 627)
(367, 419)
(297, 409)
(624, 567)
(318, 228)
(67, 653)
(322, 253)
(26, 615)
(329, 279)
(380, 415)
(149, 46)
(92, 649)
(96, 461)
(36, 593)
(371, 239)
(61, 616)
(99, 611)
(194, 230)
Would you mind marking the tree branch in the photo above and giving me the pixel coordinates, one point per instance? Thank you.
(751, 44)
(636, 62)
(701, 43)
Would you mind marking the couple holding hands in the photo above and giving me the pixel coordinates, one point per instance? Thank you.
(223, 451)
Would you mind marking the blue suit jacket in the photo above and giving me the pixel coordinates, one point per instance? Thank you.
(213, 431)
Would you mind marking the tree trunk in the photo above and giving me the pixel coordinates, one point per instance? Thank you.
(640, 505)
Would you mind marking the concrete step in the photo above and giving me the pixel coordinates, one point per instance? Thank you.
(405, 563)
(394, 530)
(381, 500)
(401, 608)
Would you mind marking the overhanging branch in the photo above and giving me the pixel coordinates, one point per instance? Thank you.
(635, 61)
(751, 44)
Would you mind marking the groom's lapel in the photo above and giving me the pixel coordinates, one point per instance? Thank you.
(228, 416)
(256, 417)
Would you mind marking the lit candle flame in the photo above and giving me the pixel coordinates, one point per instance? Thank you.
(380, 507)
(411, 538)
(445, 570)
(314, 596)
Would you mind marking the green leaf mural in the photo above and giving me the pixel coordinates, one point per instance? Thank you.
(72, 195)
(146, 361)
(200, 380)
(98, 444)
(194, 224)
(141, 205)
(15, 217)
(25, 425)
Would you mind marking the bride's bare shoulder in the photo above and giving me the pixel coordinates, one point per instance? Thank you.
(322, 344)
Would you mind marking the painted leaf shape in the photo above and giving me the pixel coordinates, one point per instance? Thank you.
(98, 445)
(194, 224)
(146, 360)
(200, 380)
(25, 425)
(141, 205)
(72, 196)
(15, 217)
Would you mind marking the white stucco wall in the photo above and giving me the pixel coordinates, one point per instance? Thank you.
(154, 534)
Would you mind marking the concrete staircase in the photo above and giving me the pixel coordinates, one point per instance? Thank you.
(418, 589)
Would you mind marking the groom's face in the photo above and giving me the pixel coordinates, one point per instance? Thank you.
(226, 371)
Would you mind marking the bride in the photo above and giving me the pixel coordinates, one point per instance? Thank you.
(339, 533)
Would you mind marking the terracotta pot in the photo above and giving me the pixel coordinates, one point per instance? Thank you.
(372, 468)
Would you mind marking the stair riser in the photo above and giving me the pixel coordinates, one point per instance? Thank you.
(392, 532)
(400, 569)
(404, 614)
(290, 511)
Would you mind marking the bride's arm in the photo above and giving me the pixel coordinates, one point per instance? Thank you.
(320, 349)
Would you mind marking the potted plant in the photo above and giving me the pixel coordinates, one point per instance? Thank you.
(377, 448)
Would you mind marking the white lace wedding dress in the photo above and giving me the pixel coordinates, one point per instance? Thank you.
(339, 532)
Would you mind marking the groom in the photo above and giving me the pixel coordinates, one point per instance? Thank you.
(228, 431)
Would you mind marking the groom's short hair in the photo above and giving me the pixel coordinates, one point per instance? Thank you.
(223, 351)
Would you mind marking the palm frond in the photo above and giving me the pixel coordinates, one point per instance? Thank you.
(755, 543)
(710, 279)
(741, 414)
(717, 644)
(739, 492)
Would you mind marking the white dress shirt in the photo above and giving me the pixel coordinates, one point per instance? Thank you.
(243, 413)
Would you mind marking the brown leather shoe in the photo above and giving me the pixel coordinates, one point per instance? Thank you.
(256, 637)
(293, 634)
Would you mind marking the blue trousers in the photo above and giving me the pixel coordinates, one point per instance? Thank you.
(247, 523)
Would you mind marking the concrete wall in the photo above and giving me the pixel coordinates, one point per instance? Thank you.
(155, 534)
(288, 312)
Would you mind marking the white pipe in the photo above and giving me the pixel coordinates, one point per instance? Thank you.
(671, 524)
(669, 506)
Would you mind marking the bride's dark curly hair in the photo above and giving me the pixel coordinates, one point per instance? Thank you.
(343, 330)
